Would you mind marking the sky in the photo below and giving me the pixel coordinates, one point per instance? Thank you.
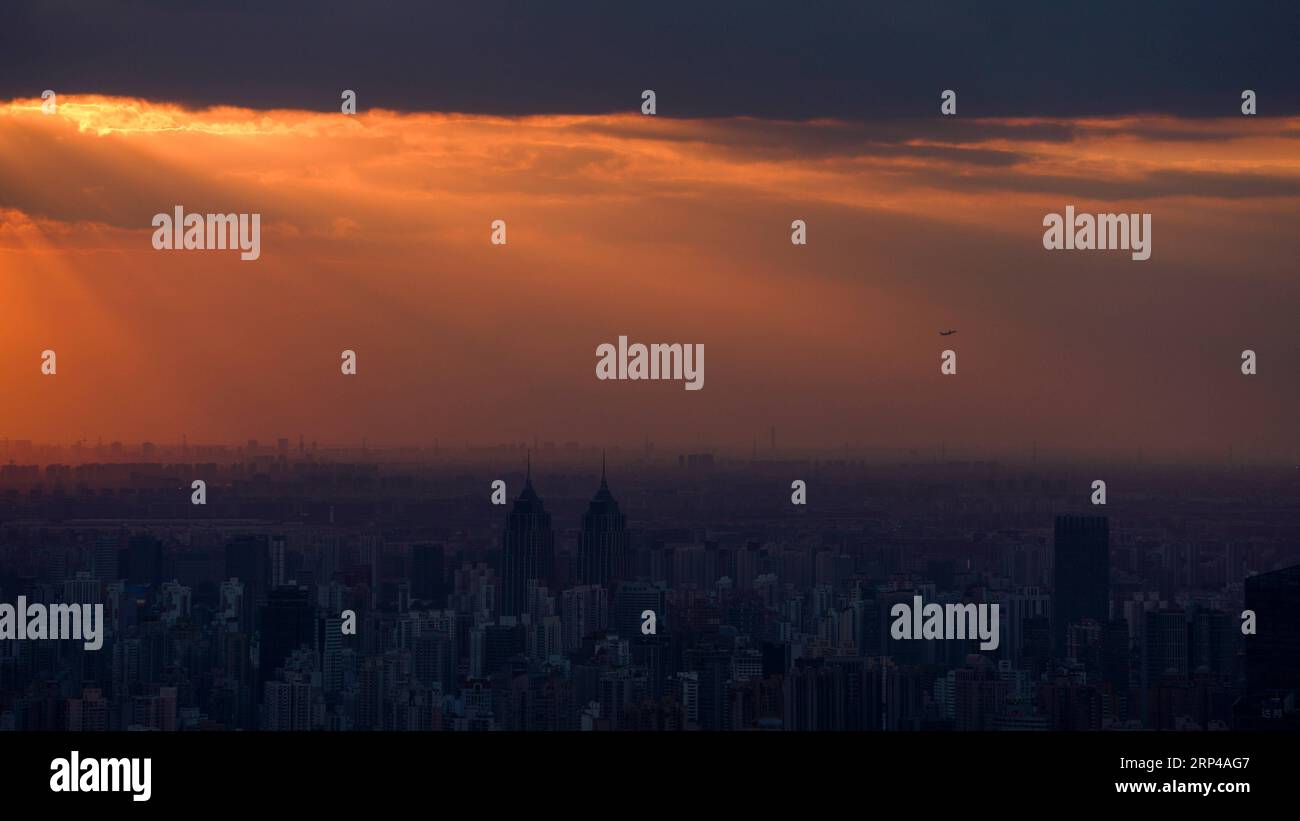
(673, 228)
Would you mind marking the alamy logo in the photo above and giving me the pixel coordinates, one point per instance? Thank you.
(1101, 232)
(55, 622)
(191, 232)
(948, 621)
(130, 775)
(656, 361)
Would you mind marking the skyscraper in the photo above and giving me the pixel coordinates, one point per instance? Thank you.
(1164, 645)
(427, 574)
(528, 549)
(602, 548)
(108, 552)
(1081, 574)
(248, 559)
(1273, 651)
(277, 558)
(585, 611)
(286, 623)
(144, 561)
(634, 599)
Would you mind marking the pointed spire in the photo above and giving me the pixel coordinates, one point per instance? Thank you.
(528, 470)
(602, 467)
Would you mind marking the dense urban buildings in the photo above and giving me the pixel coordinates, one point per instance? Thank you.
(373, 591)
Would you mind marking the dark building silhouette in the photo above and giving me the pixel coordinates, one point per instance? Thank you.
(634, 599)
(602, 548)
(711, 666)
(144, 561)
(1273, 653)
(815, 696)
(427, 574)
(1081, 574)
(287, 621)
(528, 549)
(1210, 642)
(975, 697)
(501, 642)
(248, 558)
(1164, 645)
(108, 559)
(1116, 663)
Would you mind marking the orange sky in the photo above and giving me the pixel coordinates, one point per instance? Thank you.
(376, 238)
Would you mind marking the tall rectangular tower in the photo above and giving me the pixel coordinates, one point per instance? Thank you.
(1081, 574)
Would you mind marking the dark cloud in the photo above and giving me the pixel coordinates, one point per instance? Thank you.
(848, 60)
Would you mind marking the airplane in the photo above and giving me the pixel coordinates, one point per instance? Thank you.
(949, 332)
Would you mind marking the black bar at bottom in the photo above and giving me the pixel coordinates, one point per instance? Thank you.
(219, 771)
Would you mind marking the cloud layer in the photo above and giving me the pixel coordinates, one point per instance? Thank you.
(761, 58)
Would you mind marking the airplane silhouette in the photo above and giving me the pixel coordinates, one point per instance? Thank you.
(947, 333)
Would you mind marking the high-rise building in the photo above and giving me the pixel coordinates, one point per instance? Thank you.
(1081, 574)
(528, 549)
(712, 665)
(1164, 645)
(278, 554)
(88, 713)
(427, 574)
(603, 546)
(1017, 608)
(584, 611)
(144, 563)
(329, 646)
(82, 588)
(231, 600)
(1164, 657)
(814, 696)
(1273, 651)
(1210, 647)
(1116, 663)
(286, 622)
(108, 550)
(248, 559)
(634, 599)
(287, 706)
(329, 557)
(492, 645)
(433, 660)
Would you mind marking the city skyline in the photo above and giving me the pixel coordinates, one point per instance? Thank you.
(574, 452)
(475, 615)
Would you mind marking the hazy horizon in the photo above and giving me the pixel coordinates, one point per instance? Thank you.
(566, 453)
